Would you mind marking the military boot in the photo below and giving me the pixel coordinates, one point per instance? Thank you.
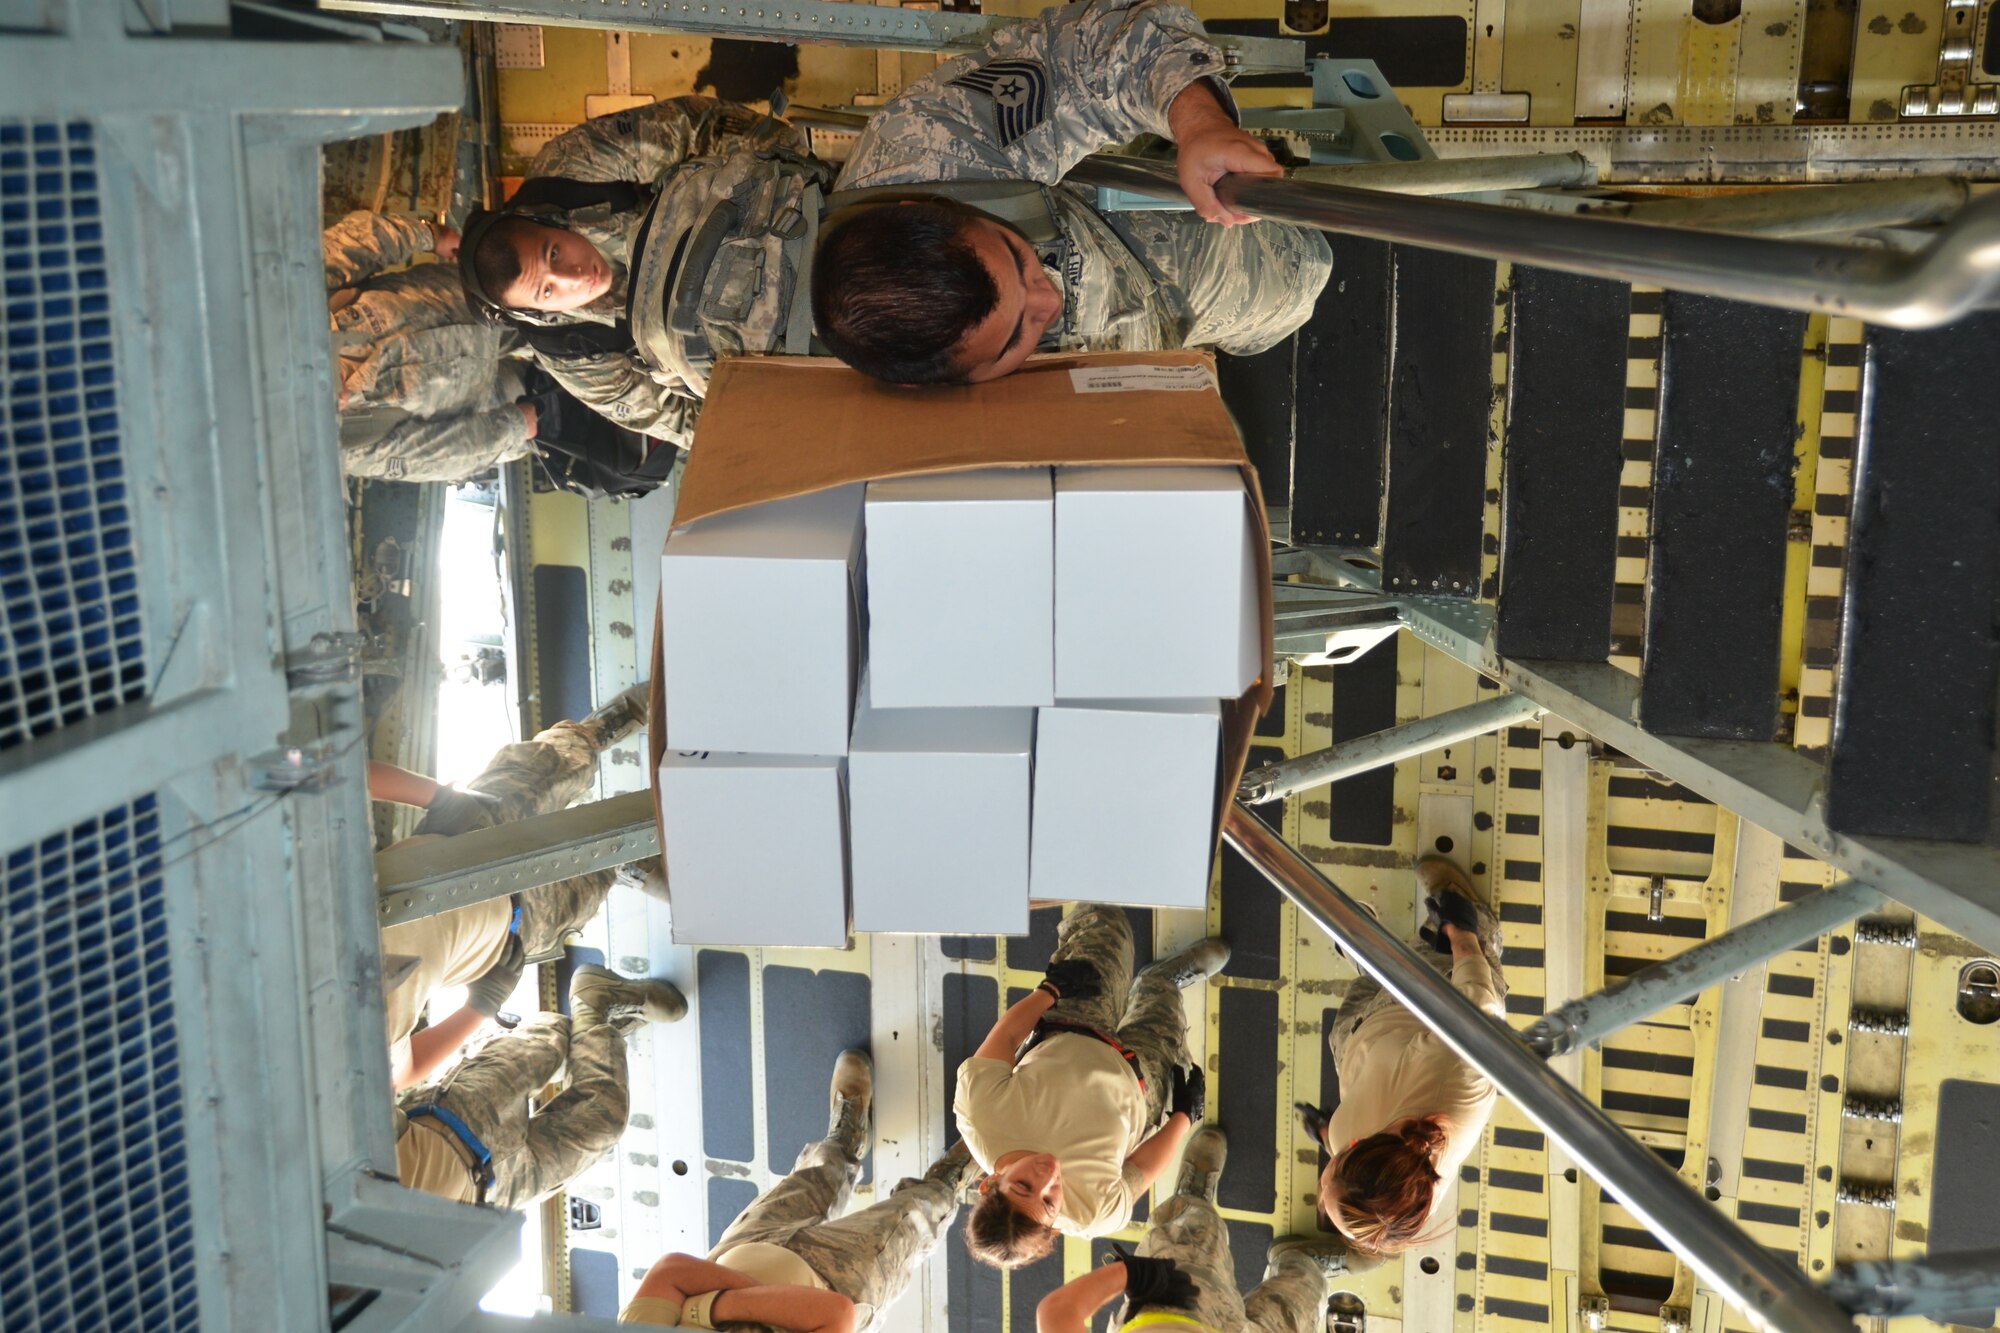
(1201, 1163)
(1198, 962)
(1328, 1253)
(621, 715)
(648, 875)
(853, 1087)
(624, 1003)
(955, 1171)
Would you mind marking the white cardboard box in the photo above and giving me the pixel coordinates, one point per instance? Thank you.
(1156, 584)
(757, 628)
(755, 848)
(961, 589)
(1125, 801)
(938, 818)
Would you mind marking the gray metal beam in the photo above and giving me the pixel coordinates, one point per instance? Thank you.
(1744, 154)
(1771, 785)
(1939, 1284)
(432, 877)
(1383, 747)
(1775, 1296)
(825, 22)
(1591, 1018)
(1956, 274)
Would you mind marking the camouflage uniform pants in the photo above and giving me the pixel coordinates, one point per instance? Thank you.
(1245, 289)
(1365, 995)
(1143, 1012)
(869, 1256)
(1290, 1299)
(489, 1090)
(536, 777)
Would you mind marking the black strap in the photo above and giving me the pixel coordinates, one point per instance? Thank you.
(1049, 1027)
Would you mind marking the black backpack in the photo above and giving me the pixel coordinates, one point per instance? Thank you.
(589, 455)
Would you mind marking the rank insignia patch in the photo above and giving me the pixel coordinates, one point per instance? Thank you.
(1019, 90)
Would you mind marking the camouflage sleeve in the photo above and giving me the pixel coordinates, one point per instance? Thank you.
(1041, 96)
(620, 389)
(362, 244)
(451, 447)
(640, 144)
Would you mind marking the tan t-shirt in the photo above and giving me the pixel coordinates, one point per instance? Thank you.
(771, 1265)
(1072, 1096)
(651, 1310)
(428, 1159)
(1394, 1067)
(451, 949)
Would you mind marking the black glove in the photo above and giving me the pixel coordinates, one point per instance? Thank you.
(1315, 1119)
(1155, 1282)
(1072, 979)
(548, 413)
(1451, 909)
(1190, 1095)
(490, 992)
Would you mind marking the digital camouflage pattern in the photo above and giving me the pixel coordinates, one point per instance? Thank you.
(537, 777)
(489, 1089)
(868, 1257)
(424, 393)
(1143, 1012)
(641, 146)
(1045, 93)
(1366, 997)
(1291, 1298)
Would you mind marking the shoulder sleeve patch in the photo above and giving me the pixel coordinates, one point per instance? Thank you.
(1019, 89)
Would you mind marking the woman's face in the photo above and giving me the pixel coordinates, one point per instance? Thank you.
(1032, 1186)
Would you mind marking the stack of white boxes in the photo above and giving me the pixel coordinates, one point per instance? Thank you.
(1039, 715)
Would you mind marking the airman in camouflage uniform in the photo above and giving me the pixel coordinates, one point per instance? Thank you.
(424, 392)
(1041, 96)
(537, 777)
(1187, 1230)
(488, 1091)
(868, 1257)
(640, 146)
(1143, 1012)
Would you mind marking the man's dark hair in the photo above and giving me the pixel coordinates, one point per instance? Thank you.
(497, 261)
(897, 286)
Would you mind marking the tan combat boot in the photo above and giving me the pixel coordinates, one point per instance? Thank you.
(624, 1003)
(1201, 1163)
(851, 1091)
(1197, 962)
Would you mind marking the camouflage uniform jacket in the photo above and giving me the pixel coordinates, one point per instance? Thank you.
(1042, 95)
(413, 358)
(641, 146)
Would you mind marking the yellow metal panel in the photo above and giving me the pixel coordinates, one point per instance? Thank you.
(1659, 54)
(572, 67)
(1767, 70)
(1708, 73)
(1895, 44)
(1539, 55)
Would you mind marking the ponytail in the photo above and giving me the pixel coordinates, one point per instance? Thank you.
(1379, 1191)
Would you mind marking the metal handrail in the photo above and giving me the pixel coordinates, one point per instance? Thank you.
(1775, 1296)
(1956, 274)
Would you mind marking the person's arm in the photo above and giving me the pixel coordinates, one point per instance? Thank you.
(639, 145)
(1108, 70)
(1210, 146)
(675, 1277)
(1014, 1027)
(450, 447)
(1070, 1307)
(432, 1046)
(1156, 1154)
(620, 389)
(362, 244)
(387, 782)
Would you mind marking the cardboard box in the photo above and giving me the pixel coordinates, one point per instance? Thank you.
(961, 589)
(759, 627)
(759, 852)
(938, 818)
(1157, 584)
(1151, 409)
(1124, 791)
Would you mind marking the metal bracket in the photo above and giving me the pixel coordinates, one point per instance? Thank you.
(327, 659)
(292, 768)
(1595, 1312)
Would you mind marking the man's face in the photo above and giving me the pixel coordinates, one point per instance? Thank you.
(1028, 303)
(559, 271)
